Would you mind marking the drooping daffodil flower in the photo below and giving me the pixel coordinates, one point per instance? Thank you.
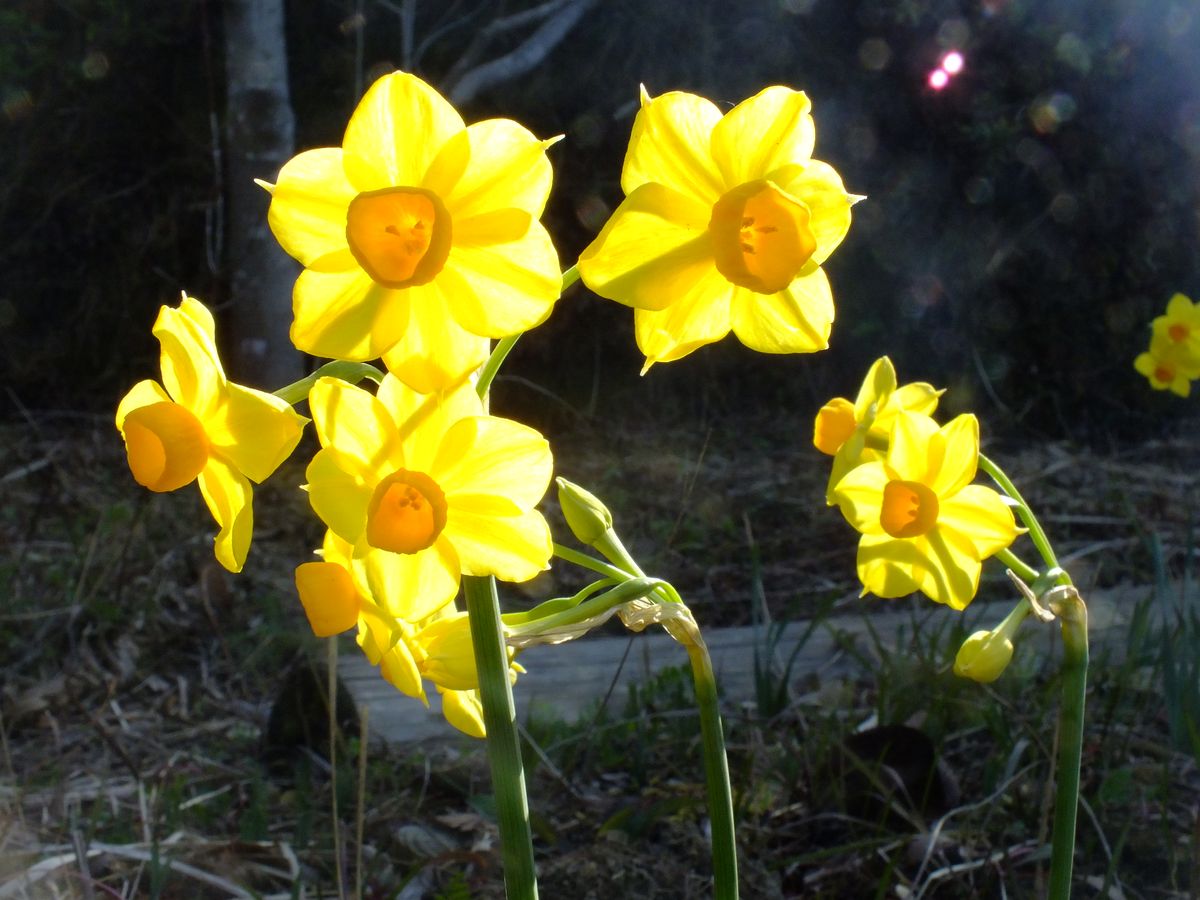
(419, 236)
(857, 432)
(199, 426)
(925, 527)
(725, 224)
(1179, 326)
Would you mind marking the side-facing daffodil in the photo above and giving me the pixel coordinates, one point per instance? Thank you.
(336, 595)
(1180, 326)
(440, 487)
(725, 224)
(857, 432)
(198, 425)
(419, 236)
(924, 526)
(1166, 366)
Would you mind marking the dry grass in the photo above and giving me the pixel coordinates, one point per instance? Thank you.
(139, 680)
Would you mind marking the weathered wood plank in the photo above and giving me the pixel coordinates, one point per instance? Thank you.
(569, 679)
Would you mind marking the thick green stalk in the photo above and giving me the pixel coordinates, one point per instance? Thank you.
(1073, 615)
(503, 742)
(716, 774)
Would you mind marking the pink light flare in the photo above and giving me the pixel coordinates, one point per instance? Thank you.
(952, 62)
(938, 79)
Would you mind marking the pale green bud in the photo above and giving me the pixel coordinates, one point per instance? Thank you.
(587, 517)
(984, 656)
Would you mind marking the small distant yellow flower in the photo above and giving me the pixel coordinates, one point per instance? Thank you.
(1180, 326)
(924, 526)
(857, 432)
(725, 225)
(419, 236)
(442, 488)
(201, 426)
(1166, 366)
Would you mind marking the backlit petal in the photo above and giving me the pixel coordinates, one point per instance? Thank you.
(464, 710)
(337, 494)
(411, 586)
(700, 316)
(908, 456)
(796, 320)
(670, 146)
(653, 249)
(144, 393)
(191, 370)
(508, 168)
(254, 431)
(979, 513)
(346, 315)
(771, 129)
(887, 566)
(434, 352)
(422, 419)
(308, 205)
(820, 187)
(950, 574)
(228, 495)
(398, 128)
(353, 422)
(859, 495)
(960, 456)
(486, 455)
(512, 548)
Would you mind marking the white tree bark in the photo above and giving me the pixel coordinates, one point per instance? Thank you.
(260, 138)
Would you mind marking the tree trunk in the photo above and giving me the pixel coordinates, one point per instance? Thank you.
(260, 138)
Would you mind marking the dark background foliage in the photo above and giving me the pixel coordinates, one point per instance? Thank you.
(1022, 227)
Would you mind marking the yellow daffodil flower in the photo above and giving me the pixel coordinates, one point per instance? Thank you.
(924, 526)
(1167, 366)
(440, 487)
(857, 432)
(1179, 326)
(725, 225)
(198, 425)
(337, 595)
(419, 236)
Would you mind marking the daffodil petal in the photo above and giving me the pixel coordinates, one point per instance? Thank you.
(917, 397)
(653, 248)
(877, 386)
(980, 514)
(228, 496)
(887, 566)
(512, 548)
(670, 145)
(960, 457)
(352, 421)
(434, 352)
(144, 393)
(909, 448)
(495, 291)
(773, 128)
(487, 455)
(859, 495)
(820, 188)
(398, 128)
(411, 586)
(191, 370)
(950, 574)
(701, 316)
(200, 314)
(464, 710)
(254, 431)
(308, 207)
(508, 168)
(346, 315)
(422, 419)
(796, 320)
(337, 495)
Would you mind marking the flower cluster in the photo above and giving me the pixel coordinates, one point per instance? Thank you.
(1172, 361)
(905, 484)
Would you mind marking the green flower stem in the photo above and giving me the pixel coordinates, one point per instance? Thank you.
(1073, 615)
(588, 609)
(1036, 534)
(566, 554)
(716, 774)
(504, 346)
(503, 743)
(1027, 573)
(353, 372)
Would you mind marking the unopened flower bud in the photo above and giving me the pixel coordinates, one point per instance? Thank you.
(587, 517)
(984, 656)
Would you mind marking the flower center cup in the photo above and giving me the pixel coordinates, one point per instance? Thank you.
(1178, 333)
(1164, 374)
(835, 425)
(166, 446)
(760, 236)
(910, 509)
(406, 514)
(400, 236)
